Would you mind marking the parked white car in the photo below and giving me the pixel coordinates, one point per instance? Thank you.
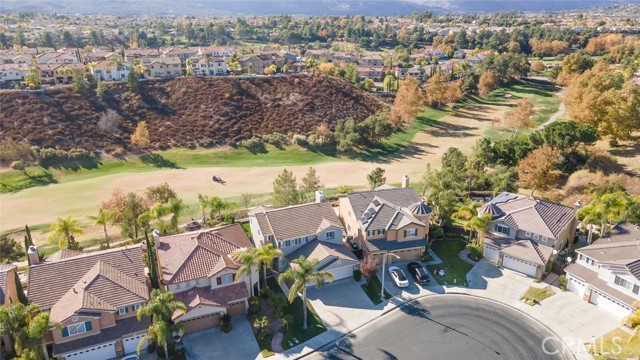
(398, 276)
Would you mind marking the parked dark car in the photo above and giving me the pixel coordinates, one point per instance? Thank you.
(419, 273)
(353, 243)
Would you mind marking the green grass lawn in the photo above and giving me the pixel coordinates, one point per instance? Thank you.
(615, 345)
(295, 332)
(542, 97)
(535, 295)
(372, 289)
(454, 268)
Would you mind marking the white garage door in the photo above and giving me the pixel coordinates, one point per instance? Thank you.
(609, 304)
(518, 265)
(131, 344)
(100, 352)
(575, 286)
(491, 253)
(343, 272)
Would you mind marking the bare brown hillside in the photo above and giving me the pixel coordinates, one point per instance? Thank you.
(194, 111)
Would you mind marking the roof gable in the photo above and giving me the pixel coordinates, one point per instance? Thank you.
(297, 221)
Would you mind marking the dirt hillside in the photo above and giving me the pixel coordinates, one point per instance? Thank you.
(186, 112)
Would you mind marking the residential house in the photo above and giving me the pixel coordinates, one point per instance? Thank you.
(415, 72)
(215, 67)
(387, 220)
(525, 233)
(13, 73)
(257, 63)
(132, 54)
(372, 59)
(217, 51)
(318, 54)
(96, 56)
(607, 272)
(92, 299)
(180, 53)
(105, 70)
(22, 59)
(197, 267)
(310, 230)
(162, 67)
(57, 58)
(373, 73)
(347, 57)
(8, 285)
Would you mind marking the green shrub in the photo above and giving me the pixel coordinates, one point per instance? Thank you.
(357, 275)
(254, 305)
(226, 323)
(563, 282)
(48, 157)
(255, 145)
(475, 251)
(549, 266)
(435, 232)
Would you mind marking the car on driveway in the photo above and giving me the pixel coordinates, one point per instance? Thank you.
(353, 243)
(419, 273)
(398, 276)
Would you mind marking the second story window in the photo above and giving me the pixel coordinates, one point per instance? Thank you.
(136, 307)
(331, 235)
(226, 279)
(501, 229)
(410, 232)
(371, 232)
(76, 329)
(380, 231)
(123, 310)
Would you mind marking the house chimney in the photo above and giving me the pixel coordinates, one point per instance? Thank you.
(34, 259)
(156, 238)
(319, 196)
(405, 181)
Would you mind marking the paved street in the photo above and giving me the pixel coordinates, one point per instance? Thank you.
(449, 327)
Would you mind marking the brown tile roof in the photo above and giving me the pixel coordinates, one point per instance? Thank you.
(381, 214)
(530, 251)
(4, 272)
(199, 254)
(622, 232)
(299, 220)
(591, 277)
(48, 282)
(621, 247)
(531, 214)
(64, 254)
(211, 297)
(102, 288)
(320, 250)
(403, 197)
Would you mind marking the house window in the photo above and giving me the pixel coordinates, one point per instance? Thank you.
(410, 232)
(528, 234)
(620, 281)
(331, 235)
(636, 288)
(502, 229)
(287, 243)
(226, 279)
(136, 307)
(536, 236)
(544, 239)
(123, 310)
(380, 231)
(371, 232)
(76, 329)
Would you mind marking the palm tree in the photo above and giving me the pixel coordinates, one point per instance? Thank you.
(175, 207)
(92, 67)
(266, 255)
(310, 63)
(158, 212)
(233, 66)
(249, 260)
(64, 230)
(605, 210)
(161, 309)
(467, 212)
(208, 60)
(479, 224)
(217, 205)
(203, 203)
(29, 343)
(13, 319)
(188, 69)
(104, 218)
(117, 62)
(301, 273)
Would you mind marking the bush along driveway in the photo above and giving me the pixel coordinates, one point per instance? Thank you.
(455, 269)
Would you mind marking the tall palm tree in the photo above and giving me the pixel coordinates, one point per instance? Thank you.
(117, 62)
(249, 260)
(301, 273)
(208, 60)
(64, 230)
(157, 212)
(203, 203)
(175, 207)
(479, 224)
(160, 308)
(467, 212)
(266, 255)
(13, 319)
(104, 218)
(605, 210)
(92, 67)
(188, 67)
(217, 205)
(29, 342)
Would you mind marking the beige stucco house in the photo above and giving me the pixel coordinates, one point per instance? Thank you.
(8, 286)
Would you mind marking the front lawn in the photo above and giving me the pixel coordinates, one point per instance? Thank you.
(535, 295)
(294, 334)
(455, 269)
(372, 289)
(615, 345)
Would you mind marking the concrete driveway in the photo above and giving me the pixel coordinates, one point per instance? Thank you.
(341, 301)
(411, 291)
(239, 344)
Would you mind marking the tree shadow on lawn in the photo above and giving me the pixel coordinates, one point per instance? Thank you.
(159, 161)
(443, 129)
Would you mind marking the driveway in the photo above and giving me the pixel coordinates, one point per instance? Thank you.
(411, 291)
(239, 344)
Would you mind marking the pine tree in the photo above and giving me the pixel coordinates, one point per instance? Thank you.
(133, 82)
(285, 191)
(310, 184)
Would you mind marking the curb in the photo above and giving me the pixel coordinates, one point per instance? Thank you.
(405, 302)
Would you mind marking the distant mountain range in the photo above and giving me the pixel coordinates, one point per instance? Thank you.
(293, 7)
